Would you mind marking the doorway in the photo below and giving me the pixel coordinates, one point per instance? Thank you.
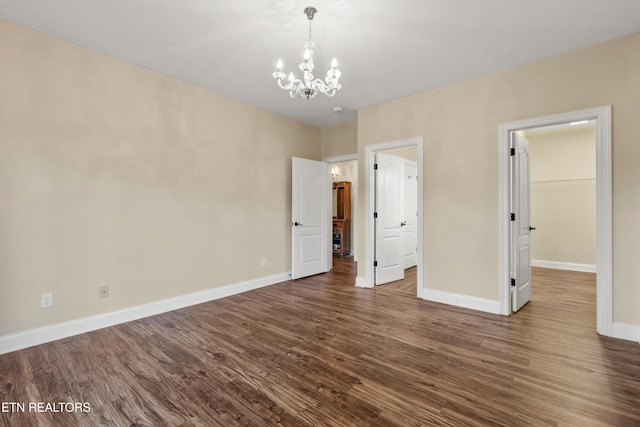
(563, 196)
(370, 261)
(602, 118)
(395, 214)
(345, 169)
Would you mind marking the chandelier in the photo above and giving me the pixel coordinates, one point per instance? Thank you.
(308, 87)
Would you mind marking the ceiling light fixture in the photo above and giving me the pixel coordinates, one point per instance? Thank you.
(335, 171)
(308, 87)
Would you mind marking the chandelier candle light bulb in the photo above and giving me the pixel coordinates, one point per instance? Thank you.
(309, 87)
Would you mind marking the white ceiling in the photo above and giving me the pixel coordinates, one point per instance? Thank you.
(386, 48)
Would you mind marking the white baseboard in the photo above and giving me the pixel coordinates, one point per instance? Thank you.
(587, 268)
(626, 332)
(465, 301)
(29, 338)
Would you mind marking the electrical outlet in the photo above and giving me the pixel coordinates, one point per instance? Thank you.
(104, 291)
(46, 300)
(263, 262)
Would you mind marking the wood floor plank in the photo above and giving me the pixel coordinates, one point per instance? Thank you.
(320, 351)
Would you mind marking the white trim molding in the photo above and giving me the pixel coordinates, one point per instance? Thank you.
(571, 266)
(464, 301)
(29, 338)
(361, 282)
(604, 252)
(626, 332)
(338, 159)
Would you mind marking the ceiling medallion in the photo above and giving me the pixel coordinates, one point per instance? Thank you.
(308, 87)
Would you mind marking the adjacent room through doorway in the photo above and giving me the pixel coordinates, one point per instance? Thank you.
(563, 196)
(344, 177)
(562, 188)
(571, 177)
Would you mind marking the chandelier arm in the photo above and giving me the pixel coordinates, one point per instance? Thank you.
(281, 85)
(326, 87)
(290, 83)
(320, 85)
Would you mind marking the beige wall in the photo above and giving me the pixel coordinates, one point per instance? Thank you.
(339, 140)
(114, 175)
(459, 124)
(563, 195)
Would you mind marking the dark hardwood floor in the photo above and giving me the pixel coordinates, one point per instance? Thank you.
(320, 352)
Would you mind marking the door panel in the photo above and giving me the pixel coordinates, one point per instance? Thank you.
(311, 249)
(310, 211)
(390, 209)
(410, 215)
(520, 232)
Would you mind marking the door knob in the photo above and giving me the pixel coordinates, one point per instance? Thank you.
(297, 224)
(531, 228)
(403, 223)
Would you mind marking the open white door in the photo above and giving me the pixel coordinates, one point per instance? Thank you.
(309, 217)
(410, 215)
(390, 218)
(520, 223)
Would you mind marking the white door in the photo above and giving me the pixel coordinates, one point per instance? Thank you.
(309, 217)
(390, 217)
(410, 215)
(520, 224)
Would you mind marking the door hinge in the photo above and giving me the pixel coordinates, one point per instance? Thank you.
(375, 215)
(375, 263)
(513, 216)
(375, 166)
(513, 151)
(513, 281)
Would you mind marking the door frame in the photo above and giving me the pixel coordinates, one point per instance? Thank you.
(604, 254)
(369, 193)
